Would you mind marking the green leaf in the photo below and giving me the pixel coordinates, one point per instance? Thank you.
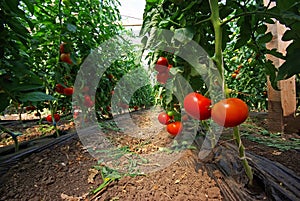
(35, 97)
(245, 32)
(265, 38)
(289, 35)
(271, 71)
(29, 5)
(290, 67)
(286, 5)
(184, 35)
(4, 101)
(262, 29)
(24, 88)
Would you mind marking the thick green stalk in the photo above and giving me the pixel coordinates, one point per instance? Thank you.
(218, 59)
(242, 154)
(215, 19)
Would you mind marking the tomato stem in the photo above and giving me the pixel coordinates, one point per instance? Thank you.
(216, 21)
(242, 154)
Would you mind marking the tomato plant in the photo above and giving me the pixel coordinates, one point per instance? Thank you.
(174, 128)
(222, 27)
(230, 112)
(197, 106)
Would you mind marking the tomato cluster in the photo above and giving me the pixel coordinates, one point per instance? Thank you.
(173, 127)
(236, 72)
(229, 112)
(68, 91)
(56, 118)
(65, 55)
(162, 67)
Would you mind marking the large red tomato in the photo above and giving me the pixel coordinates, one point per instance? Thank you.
(164, 118)
(197, 106)
(174, 128)
(230, 112)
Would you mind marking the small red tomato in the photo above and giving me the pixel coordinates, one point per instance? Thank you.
(59, 88)
(230, 112)
(233, 75)
(110, 76)
(135, 107)
(184, 117)
(237, 71)
(56, 118)
(163, 61)
(87, 98)
(85, 89)
(68, 91)
(163, 77)
(124, 106)
(65, 57)
(174, 128)
(197, 106)
(161, 65)
(163, 118)
(89, 103)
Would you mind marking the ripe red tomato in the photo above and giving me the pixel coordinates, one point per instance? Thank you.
(163, 61)
(233, 75)
(197, 106)
(88, 101)
(237, 71)
(59, 88)
(135, 107)
(184, 117)
(230, 112)
(163, 118)
(110, 76)
(174, 128)
(162, 65)
(65, 57)
(56, 118)
(68, 91)
(62, 48)
(162, 77)
(85, 89)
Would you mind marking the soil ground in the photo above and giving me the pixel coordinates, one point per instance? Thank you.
(66, 171)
